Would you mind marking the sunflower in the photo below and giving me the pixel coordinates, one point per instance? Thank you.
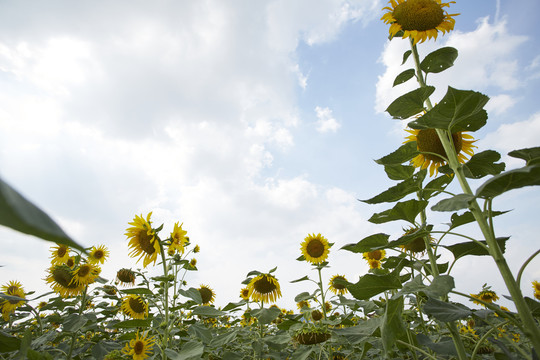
(374, 264)
(416, 245)
(98, 254)
(126, 277)
(140, 347)
(143, 240)
(486, 295)
(303, 304)
(193, 262)
(13, 288)
(315, 248)
(337, 287)
(135, 307)
(59, 254)
(196, 249)
(433, 154)
(377, 255)
(264, 287)
(71, 262)
(61, 279)
(207, 294)
(418, 19)
(178, 239)
(244, 293)
(536, 286)
(86, 274)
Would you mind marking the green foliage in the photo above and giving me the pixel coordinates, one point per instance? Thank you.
(410, 104)
(439, 60)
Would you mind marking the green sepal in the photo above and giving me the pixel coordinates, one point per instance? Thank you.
(530, 155)
(404, 153)
(399, 191)
(404, 77)
(398, 171)
(370, 285)
(456, 202)
(410, 104)
(369, 243)
(406, 210)
(439, 60)
(509, 180)
(459, 110)
(482, 164)
(472, 248)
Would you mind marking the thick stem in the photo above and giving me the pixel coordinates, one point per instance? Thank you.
(165, 283)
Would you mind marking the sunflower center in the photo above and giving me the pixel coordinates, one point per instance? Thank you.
(264, 286)
(417, 245)
(125, 275)
(63, 277)
(146, 243)
(136, 305)
(12, 289)
(84, 270)
(315, 248)
(61, 251)
(420, 15)
(98, 254)
(337, 285)
(245, 293)
(427, 140)
(70, 262)
(376, 255)
(206, 295)
(139, 347)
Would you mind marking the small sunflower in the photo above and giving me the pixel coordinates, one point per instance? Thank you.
(433, 154)
(143, 241)
(196, 249)
(374, 264)
(61, 279)
(126, 277)
(536, 286)
(264, 287)
(140, 347)
(98, 254)
(416, 245)
(86, 274)
(337, 287)
(13, 288)
(71, 262)
(316, 315)
(59, 254)
(376, 255)
(193, 262)
(486, 295)
(135, 307)
(315, 248)
(244, 293)
(207, 294)
(419, 19)
(178, 239)
(303, 304)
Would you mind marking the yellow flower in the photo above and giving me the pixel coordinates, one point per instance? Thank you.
(60, 254)
(126, 277)
(486, 295)
(416, 245)
(337, 287)
(196, 249)
(86, 274)
(244, 293)
(193, 262)
(142, 240)
(376, 255)
(140, 347)
(135, 307)
(61, 279)
(374, 264)
(419, 19)
(71, 262)
(303, 304)
(98, 254)
(13, 288)
(178, 239)
(315, 248)
(536, 286)
(207, 294)
(264, 287)
(433, 154)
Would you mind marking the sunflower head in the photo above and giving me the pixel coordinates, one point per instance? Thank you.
(135, 307)
(126, 277)
(536, 286)
(140, 347)
(315, 248)
(178, 239)
(196, 249)
(418, 19)
(62, 281)
(98, 254)
(244, 293)
(59, 254)
(486, 296)
(416, 245)
(316, 315)
(374, 264)
(207, 294)
(377, 255)
(13, 288)
(303, 304)
(337, 284)
(86, 274)
(143, 240)
(264, 287)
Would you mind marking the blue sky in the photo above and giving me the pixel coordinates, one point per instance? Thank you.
(253, 123)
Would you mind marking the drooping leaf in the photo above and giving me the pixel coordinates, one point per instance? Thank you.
(472, 248)
(74, 322)
(468, 217)
(410, 104)
(302, 353)
(207, 311)
(404, 76)
(392, 328)
(406, 210)
(404, 153)
(446, 311)
(457, 202)
(191, 293)
(8, 342)
(445, 346)
(201, 332)
(370, 285)
(232, 306)
(435, 186)
(439, 60)
(482, 164)
(509, 180)
(301, 279)
(302, 296)
(190, 350)
(407, 238)
(368, 243)
(399, 191)
(266, 316)
(20, 214)
(398, 171)
(459, 110)
(530, 155)
(224, 338)
(534, 306)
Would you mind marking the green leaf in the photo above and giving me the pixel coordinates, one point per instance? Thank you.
(404, 153)
(200, 331)
(207, 311)
(224, 338)
(8, 342)
(407, 210)
(301, 279)
(191, 293)
(392, 328)
(406, 55)
(445, 311)
(530, 155)
(398, 171)
(445, 346)
(302, 296)
(440, 286)
(534, 306)
(509, 180)
(190, 350)
(266, 316)
(302, 353)
(457, 202)
(435, 186)
(483, 164)
(137, 291)
(459, 110)
(367, 244)
(405, 239)
(370, 285)
(410, 104)
(134, 323)
(404, 76)
(439, 60)
(20, 214)
(472, 248)
(232, 306)
(400, 190)
(468, 217)
(74, 322)
(231, 356)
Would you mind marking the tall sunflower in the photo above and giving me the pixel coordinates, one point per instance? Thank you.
(418, 19)
(13, 288)
(207, 294)
(432, 151)
(59, 254)
(140, 347)
(135, 307)
(337, 286)
(264, 287)
(98, 254)
(315, 248)
(61, 279)
(178, 239)
(143, 241)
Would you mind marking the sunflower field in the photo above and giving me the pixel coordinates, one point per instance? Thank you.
(405, 307)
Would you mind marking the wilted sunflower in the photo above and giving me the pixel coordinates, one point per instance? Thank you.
(135, 307)
(140, 347)
(178, 239)
(419, 19)
(427, 141)
(264, 287)
(416, 245)
(126, 277)
(486, 295)
(59, 254)
(98, 254)
(86, 274)
(315, 248)
(61, 279)
(244, 293)
(337, 287)
(142, 240)
(207, 294)
(13, 288)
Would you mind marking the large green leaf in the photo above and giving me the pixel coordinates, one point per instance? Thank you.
(398, 171)
(189, 350)
(459, 110)
(74, 322)
(472, 248)
(399, 191)
(404, 153)
(445, 346)
(440, 286)
(410, 104)
(192, 293)
(404, 76)
(200, 331)
(509, 180)
(8, 342)
(457, 202)
(467, 217)
(482, 164)
(134, 323)
(207, 311)
(224, 338)
(406, 210)
(435, 186)
(445, 311)
(530, 155)
(392, 327)
(137, 291)
(370, 285)
(368, 243)
(439, 60)
(266, 316)
(20, 214)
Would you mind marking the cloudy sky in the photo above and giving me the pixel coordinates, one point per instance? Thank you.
(254, 123)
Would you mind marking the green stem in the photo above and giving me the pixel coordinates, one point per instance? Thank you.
(165, 283)
(74, 335)
(417, 349)
(323, 303)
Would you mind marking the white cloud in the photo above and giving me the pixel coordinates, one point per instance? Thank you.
(499, 104)
(326, 121)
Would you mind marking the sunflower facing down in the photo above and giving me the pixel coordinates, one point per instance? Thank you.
(433, 154)
(207, 294)
(486, 295)
(143, 242)
(415, 246)
(140, 347)
(126, 277)
(337, 285)
(13, 288)
(264, 287)
(419, 19)
(315, 248)
(135, 307)
(178, 239)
